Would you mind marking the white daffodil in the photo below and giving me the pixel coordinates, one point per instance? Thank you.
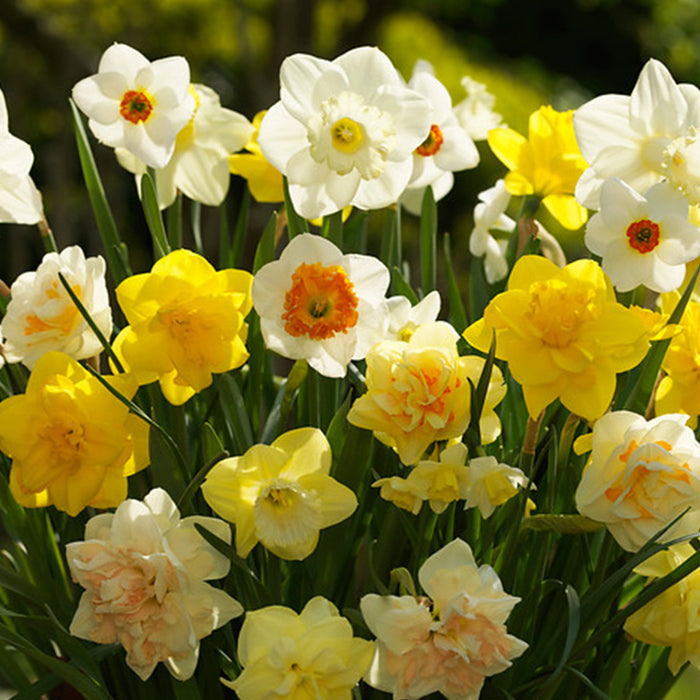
(199, 165)
(489, 214)
(491, 484)
(447, 147)
(318, 304)
(136, 104)
(629, 136)
(643, 239)
(343, 131)
(20, 202)
(144, 571)
(475, 112)
(41, 316)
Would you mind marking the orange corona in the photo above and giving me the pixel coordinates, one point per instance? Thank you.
(320, 303)
(136, 106)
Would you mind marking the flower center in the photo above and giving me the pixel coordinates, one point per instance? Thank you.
(558, 311)
(136, 106)
(643, 235)
(346, 135)
(320, 303)
(286, 514)
(64, 321)
(432, 143)
(65, 435)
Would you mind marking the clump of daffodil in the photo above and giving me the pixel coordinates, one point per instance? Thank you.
(264, 180)
(290, 656)
(563, 334)
(186, 322)
(418, 392)
(679, 390)
(672, 618)
(547, 164)
(280, 494)
(72, 442)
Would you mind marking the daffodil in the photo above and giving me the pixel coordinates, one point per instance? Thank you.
(672, 618)
(547, 164)
(20, 201)
(490, 213)
(447, 148)
(563, 334)
(264, 180)
(643, 238)
(640, 476)
(679, 389)
(280, 494)
(290, 656)
(144, 571)
(319, 305)
(491, 483)
(449, 644)
(343, 131)
(136, 104)
(186, 322)
(639, 138)
(418, 392)
(475, 112)
(41, 316)
(198, 166)
(72, 443)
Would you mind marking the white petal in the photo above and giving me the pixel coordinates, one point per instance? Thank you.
(281, 136)
(171, 78)
(385, 189)
(312, 201)
(120, 58)
(203, 177)
(368, 69)
(436, 94)
(657, 106)
(458, 151)
(298, 75)
(665, 200)
(601, 122)
(680, 241)
(411, 114)
(452, 556)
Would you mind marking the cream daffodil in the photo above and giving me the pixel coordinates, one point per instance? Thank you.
(144, 571)
(636, 137)
(136, 104)
(280, 495)
(640, 476)
(290, 656)
(343, 131)
(41, 316)
(491, 483)
(475, 112)
(448, 643)
(199, 165)
(320, 305)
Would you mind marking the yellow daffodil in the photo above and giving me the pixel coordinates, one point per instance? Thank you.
(264, 180)
(418, 392)
(672, 618)
(280, 494)
(72, 443)
(563, 334)
(490, 484)
(679, 390)
(440, 481)
(547, 164)
(290, 656)
(186, 323)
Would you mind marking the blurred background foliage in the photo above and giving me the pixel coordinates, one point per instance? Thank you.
(560, 52)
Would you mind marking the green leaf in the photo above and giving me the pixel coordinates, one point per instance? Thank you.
(240, 232)
(458, 316)
(401, 286)
(572, 628)
(265, 252)
(332, 228)
(154, 219)
(563, 524)
(428, 238)
(235, 411)
(295, 223)
(115, 251)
